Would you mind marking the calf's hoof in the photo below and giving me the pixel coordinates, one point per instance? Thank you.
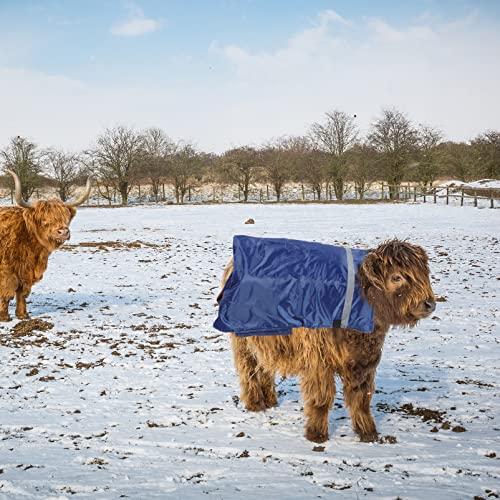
(316, 436)
(271, 402)
(256, 405)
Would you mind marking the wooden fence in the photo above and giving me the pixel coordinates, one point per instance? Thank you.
(446, 193)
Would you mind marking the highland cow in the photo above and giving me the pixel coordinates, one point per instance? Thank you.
(394, 279)
(29, 233)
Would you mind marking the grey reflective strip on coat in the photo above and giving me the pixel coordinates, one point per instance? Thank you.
(349, 294)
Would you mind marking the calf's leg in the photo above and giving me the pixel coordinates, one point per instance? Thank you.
(357, 398)
(268, 386)
(256, 387)
(318, 389)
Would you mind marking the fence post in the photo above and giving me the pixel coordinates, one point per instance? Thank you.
(424, 191)
(435, 198)
(475, 199)
(261, 196)
(303, 193)
(189, 193)
(267, 191)
(447, 193)
(462, 199)
(382, 190)
(492, 205)
(414, 193)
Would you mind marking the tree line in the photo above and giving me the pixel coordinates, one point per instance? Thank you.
(330, 157)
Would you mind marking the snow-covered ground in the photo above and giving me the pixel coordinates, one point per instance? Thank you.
(132, 393)
(483, 183)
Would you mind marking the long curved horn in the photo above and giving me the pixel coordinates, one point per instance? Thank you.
(84, 196)
(18, 191)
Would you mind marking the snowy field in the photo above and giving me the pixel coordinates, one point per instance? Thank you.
(133, 394)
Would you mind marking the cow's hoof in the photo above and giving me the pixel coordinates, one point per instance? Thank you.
(5, 318)
(23, 316)
(316, 436)
(369, 438)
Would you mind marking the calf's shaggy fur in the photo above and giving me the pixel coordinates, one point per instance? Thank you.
(395, 280)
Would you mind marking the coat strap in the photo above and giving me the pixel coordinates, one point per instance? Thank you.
(349, 293)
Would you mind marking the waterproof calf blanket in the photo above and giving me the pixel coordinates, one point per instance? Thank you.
(279, 284)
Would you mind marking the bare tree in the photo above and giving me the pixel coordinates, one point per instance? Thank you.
(335, 136)
(460, 161)
(309, 164)
(64, 168)
(184, 170)
(240, 166)
(158, 150)
(395, 138)
(24, 158)
(362, 163)
(118, 155)
(427, 167)
(487, 146)
(277, 164)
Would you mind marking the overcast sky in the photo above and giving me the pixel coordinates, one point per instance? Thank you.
(228, 72)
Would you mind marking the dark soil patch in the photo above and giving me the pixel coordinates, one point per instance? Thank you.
(468, 381)
(27, 327)
(426, 414)
(120, 245)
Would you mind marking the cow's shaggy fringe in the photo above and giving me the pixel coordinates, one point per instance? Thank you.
(395, 280)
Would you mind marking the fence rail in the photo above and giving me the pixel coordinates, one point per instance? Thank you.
(445, 192)
(296, 192)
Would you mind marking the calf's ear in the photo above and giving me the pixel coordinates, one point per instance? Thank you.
(371, 272)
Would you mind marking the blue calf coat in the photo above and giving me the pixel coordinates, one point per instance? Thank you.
(279, 284)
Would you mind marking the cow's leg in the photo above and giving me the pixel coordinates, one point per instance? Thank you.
(4, 309)
(248, 372)
(22, 294)
(8, 286)
(357, 398)
(318, 388)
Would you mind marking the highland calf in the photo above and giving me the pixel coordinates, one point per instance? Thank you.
(394, 279)
(29, 233)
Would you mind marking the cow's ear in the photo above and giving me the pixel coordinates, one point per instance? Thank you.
(371, 273)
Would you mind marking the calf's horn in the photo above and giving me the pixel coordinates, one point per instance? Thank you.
(18, 191)
(84, 196)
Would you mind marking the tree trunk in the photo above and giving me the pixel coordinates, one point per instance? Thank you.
(338, 187)
(124, 192)
(277, 190)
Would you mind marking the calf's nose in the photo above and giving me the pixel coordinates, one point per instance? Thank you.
(430, 305)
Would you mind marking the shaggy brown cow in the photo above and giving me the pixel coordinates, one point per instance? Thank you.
(29, 233)
(395, 280)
